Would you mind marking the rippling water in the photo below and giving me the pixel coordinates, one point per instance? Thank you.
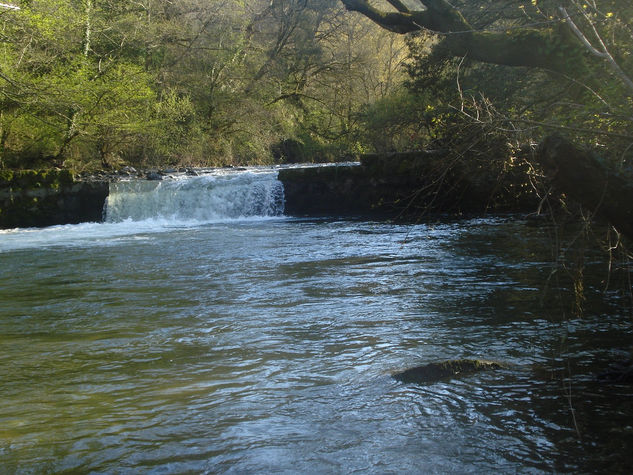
(267, 345)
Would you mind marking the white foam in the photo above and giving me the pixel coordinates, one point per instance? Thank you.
(137, 209)
(206, 198)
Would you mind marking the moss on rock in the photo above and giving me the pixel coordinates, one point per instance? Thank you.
(45, 197)
(432, 372)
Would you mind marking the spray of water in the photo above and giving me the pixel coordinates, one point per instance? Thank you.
(207, 198)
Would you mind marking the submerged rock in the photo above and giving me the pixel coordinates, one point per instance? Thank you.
(432, 372)
(620, 372)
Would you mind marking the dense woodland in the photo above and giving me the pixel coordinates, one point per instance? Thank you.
(101, 83)
(501, 77)
(91, 84)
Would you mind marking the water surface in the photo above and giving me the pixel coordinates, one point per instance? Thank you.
(259, 345)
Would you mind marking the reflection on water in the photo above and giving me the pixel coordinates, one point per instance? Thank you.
(254, 347)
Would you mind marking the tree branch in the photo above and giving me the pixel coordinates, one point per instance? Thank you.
(527, 47)
(7, 6)
(398, 5)
(604, 54)
(400, 22)
(583, 39)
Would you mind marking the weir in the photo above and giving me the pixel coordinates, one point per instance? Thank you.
(391, 186)
(206, 198)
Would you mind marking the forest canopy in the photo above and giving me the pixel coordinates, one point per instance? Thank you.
(557, 64)
(101, 83)
(88, 84)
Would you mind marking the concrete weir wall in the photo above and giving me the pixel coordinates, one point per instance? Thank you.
(385, 185)
(401, 185)
(32, 198)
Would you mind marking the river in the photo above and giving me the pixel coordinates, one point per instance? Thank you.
(188, 334)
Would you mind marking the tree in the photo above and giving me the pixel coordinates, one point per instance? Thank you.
(89, 83)
(563, 66)
(553, 46)
(331, 67)
(66, 91)
(585, 46)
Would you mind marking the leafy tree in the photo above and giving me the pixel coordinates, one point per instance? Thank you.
(100, 83)
(574, 61)
(63, 92)
(497, 77)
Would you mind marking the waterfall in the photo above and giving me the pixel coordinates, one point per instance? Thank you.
(211, 197)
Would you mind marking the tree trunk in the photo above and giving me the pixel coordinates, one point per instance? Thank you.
(552, 48)
(584, 177)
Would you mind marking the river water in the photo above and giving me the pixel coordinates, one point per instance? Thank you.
(188, 334)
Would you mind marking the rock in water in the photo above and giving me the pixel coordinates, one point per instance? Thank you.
(153, 176)
(432, 372)
(620, 372)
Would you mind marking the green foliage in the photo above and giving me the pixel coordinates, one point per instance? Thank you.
(64, 99)
(86, 84)
(401, 121)
(100, 83)
(590, 103)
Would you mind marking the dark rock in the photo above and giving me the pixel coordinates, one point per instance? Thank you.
(586, 178)
(432, 372)
(153, 175)
(128, 170)
(191, 172)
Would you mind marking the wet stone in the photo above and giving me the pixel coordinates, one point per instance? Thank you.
(432, 372)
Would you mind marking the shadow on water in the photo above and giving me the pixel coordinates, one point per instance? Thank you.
(558, 354)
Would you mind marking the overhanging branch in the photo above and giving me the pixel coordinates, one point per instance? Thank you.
(527, 47)
(398, 5)
(402, 21)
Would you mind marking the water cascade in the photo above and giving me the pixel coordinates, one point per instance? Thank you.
(206, 198)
